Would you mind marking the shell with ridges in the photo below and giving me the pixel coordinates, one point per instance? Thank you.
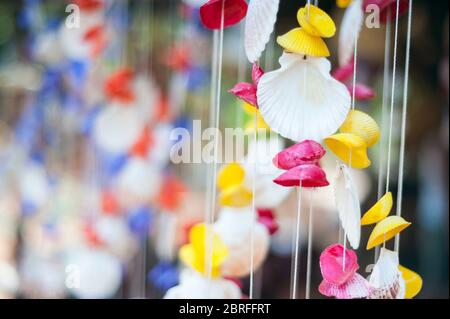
(349, 148)
(361, 124)
(379, 211)
(316, 21)
(301, 42)
(386, 229)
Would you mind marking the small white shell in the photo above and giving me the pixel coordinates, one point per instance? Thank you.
(347, 204)
(350, 28)
(259, 25)
(195, 286)
(301, 100)
(386, 279)
(234, 227)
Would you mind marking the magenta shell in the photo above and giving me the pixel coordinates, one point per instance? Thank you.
(331, 261)
(384, 5)
(267, 218)
(306, 152)
(344, 72)
(247, 91)
(362, 92)
(356, 287)
(211, 13)
(308, 175)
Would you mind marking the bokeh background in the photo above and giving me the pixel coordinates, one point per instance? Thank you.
(55, 185)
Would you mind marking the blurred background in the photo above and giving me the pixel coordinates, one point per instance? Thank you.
(85, 181)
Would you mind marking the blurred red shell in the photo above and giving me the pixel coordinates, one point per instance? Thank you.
(308, 175)
(118, 86)
(362, 92)
(331, 264)
(96, 37)
(267, 218)
(171, 193)
(178, 57)
(247, 91)
(211, 13)
(89, 5)
(143, 144)
(386, 5)
(109, 203)
(92, 236)
(344, 72)
(305, 152)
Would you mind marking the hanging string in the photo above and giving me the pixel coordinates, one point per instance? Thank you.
(252, 230)
(403, 128)
(310, 242)
(297, 245)
(387, 52)
(210, 236)
(391, 122)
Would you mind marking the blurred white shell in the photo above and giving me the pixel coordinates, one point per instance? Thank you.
(9, 279)
(301, 100)
(117, 128)
(234, 227)
(347, 204)
(386, 279)
(259, 25)
(195, 286)
(138, 182)
(261, 153)
(350, 29)
(166, 234)
(100, 274)
(115, 234)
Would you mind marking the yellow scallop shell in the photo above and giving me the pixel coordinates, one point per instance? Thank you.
(343, 3)
(194, 254)
(299, 41)
(413, 282)
(249, 109)
(385, 230)
(349, 146)
(236, 196)
(230, 175)
(316, 22)
(361, 124)
(379, 211)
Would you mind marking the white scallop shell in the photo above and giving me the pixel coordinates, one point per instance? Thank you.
(350, 28)
(301, 100)
(260, 169)
(259, 25)
(117, 128)
(347, 204)
(9, 278)
(195, 286)
(386, 279)
(234, 227)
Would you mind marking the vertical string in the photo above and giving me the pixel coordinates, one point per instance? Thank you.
(297, 244)
(394, 71)
(210, 236)
(387, 53)
(310, 242)
(252, 231)
(403, 128)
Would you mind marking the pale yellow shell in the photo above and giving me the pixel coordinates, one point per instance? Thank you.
(299, 41)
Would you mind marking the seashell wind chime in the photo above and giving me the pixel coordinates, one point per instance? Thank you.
(303, 102)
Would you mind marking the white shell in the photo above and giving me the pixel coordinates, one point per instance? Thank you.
(347, 204)
(350, 28)
(100, 274)
(261, 153)
(259, 25)
(9, 279)
(386, 279)
(33, 185)
(301, 100)
(195, 286)
(138, 182)
(117, 128)
(234, 227)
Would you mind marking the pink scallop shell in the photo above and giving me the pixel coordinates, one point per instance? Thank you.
(306, 152)
(362, 92)
(308, 175)
(355, 287)
(211, 13)
(344, 72)
(331, 261)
